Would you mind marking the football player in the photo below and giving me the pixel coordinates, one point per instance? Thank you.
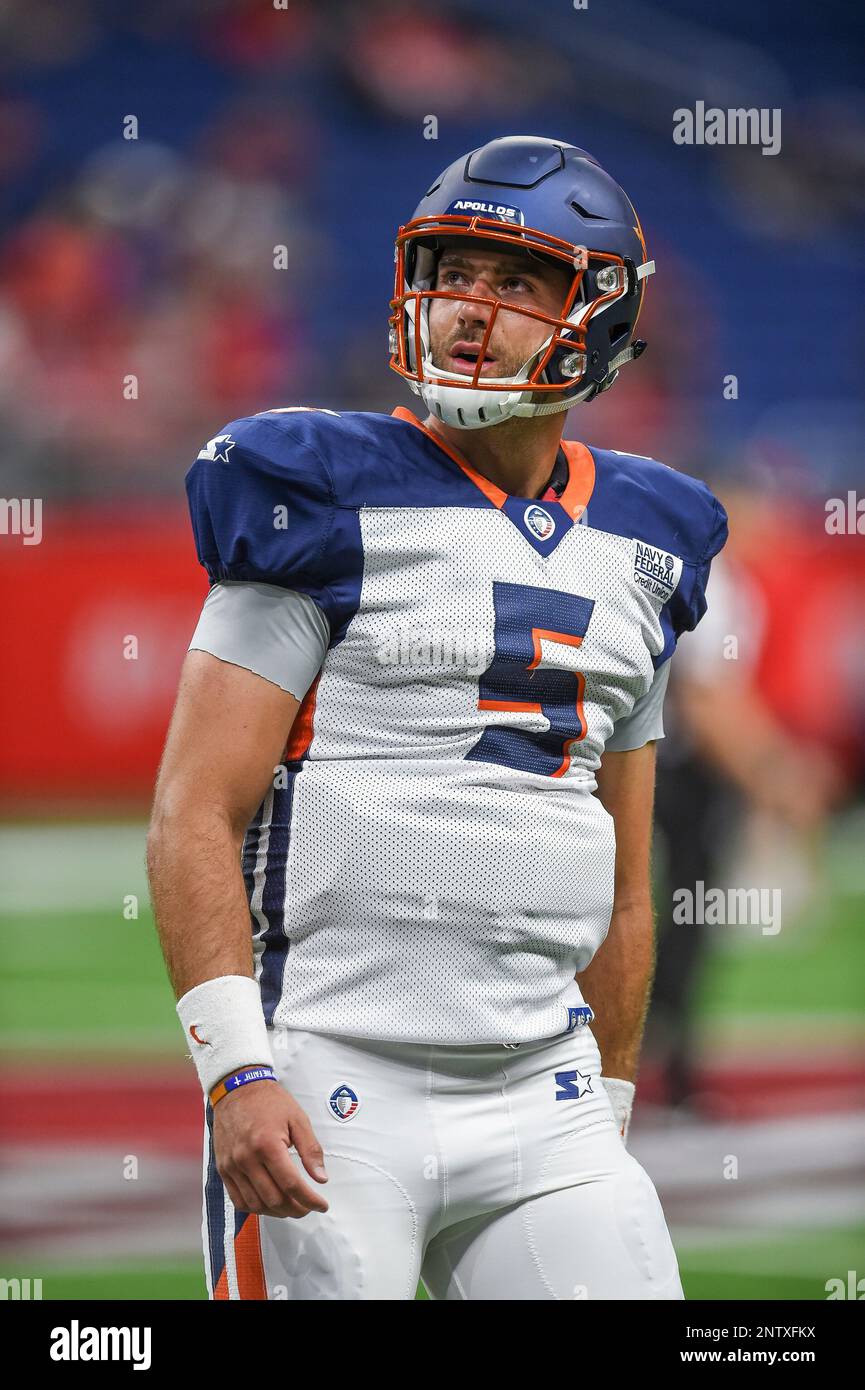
(406, 795)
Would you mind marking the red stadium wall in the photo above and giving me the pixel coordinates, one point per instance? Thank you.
(82, 721)
(811, 670)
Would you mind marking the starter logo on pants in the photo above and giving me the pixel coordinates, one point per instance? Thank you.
(573, 1085)
(343, 1102)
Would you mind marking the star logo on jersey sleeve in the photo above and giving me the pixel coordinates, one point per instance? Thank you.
(216, 450)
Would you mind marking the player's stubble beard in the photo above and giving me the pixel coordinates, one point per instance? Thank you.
(516, 428)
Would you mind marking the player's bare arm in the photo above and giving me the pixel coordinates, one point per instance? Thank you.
(617, 981)
(227, 734)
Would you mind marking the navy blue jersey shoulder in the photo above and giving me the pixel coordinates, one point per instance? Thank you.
(274, 497)
(372, 460)
(263, 507)
(643, 499)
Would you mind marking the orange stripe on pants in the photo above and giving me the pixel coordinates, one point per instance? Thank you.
(248, 1262)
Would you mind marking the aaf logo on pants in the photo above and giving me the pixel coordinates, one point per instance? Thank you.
(343, 1102)
(573, 1084)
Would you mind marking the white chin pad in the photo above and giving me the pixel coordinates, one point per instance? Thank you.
(466, 408)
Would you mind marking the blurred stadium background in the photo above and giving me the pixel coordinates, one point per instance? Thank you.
(152, 258)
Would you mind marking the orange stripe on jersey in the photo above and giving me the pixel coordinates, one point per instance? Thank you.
(301, 730)
(521, 706)
(247, 1257)
(539, 632)
(581, 470)
(491, 492)
(581, 715)
(566, 758)
(581, 479)
(221, 1290)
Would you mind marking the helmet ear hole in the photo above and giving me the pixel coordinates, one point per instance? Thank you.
(619, 330)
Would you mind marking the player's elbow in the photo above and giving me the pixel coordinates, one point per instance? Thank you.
(181, 825)
(164, 835)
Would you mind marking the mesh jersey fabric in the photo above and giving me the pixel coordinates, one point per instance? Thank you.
(431, 864)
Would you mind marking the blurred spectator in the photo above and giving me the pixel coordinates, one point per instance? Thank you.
(731, 754)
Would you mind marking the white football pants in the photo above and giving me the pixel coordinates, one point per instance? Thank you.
(486, 1171)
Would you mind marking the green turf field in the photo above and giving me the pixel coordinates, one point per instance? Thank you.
(791, 1267)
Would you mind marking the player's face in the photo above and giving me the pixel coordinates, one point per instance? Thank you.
(457, 327)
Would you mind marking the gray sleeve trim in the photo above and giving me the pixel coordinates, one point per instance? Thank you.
(278, 633)
(645, 722)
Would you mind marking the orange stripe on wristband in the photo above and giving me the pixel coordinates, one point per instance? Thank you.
(242, 1076)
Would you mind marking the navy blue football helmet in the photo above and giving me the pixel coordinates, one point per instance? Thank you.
(551, 200)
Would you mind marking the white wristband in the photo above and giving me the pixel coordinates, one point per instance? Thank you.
(224, 1026)
(621, 1094)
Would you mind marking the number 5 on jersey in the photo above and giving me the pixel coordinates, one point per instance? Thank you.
(516, 681)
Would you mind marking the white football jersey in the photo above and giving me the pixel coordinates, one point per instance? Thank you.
(431, 864)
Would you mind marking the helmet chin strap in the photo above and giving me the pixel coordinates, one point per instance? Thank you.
(532, 408)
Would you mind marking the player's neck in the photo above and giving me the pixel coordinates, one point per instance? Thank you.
(517, 455)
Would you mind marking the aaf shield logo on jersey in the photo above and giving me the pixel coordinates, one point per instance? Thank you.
(573, 1085)
(499, 212)
(656, 571)
(216, 450)
(539, 522)
(343, 1102)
